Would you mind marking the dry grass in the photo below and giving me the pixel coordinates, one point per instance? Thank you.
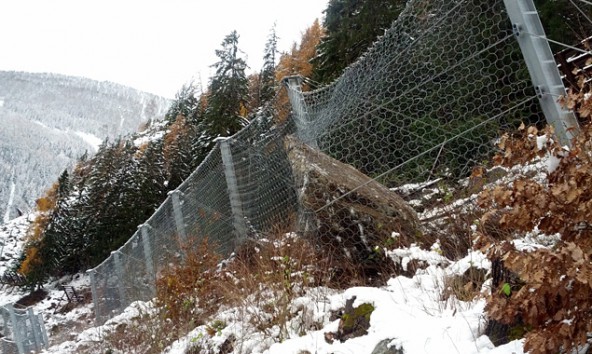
(267, 274)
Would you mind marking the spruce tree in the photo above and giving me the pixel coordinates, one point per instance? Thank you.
(149, 189)
(268, 83)
(225, 113)
(56, 244)
(51, 246)
(186, 104)
(177, 151)
(110, 186)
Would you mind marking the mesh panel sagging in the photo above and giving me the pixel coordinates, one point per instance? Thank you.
(429, 98)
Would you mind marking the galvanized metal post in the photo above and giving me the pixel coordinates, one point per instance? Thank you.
(145, 235)
(239, 222)
(178, 214)
(119, 271)
(35, 329)
(305, 133)
(542, 67)
(93, 288)
(17, 335)
(43, 330)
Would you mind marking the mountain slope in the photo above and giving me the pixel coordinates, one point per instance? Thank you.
(50, 120)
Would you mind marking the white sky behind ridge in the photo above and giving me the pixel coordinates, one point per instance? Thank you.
(151, 45)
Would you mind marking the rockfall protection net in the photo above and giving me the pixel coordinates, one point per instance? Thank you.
(22, 331)
(428, 98)
(427, 101)
(209, 204)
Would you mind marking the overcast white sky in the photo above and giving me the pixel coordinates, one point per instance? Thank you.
(152, 45)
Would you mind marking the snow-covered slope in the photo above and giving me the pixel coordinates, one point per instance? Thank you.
(48, 121)
(410, 312)
(12, 238)
(416, 313)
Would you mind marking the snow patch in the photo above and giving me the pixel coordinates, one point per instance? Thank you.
(10, 202)
(552, 163)
(149, 138)
(91, 139)
(40, 123)
(405, 255)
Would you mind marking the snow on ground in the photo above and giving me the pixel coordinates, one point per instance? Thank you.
(12, 238)
(148, 138)
(10, 201)
(58, 318)
(154, 132)
(409, 312)
(90, 139)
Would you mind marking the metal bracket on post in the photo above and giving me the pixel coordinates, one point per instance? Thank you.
(542, 67)
(179, 223)
(240, 226)
(148, 259)
(305, 133)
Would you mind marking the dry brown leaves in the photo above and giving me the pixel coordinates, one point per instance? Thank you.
(554, 297)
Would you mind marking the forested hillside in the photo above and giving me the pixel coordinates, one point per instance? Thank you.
(48, 121)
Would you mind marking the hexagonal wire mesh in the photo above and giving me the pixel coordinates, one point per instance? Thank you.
(204, 206)
(428, 100)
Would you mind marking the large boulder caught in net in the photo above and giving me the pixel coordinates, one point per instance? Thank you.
(349, 214)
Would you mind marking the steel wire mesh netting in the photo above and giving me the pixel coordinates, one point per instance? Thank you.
(22, 331)
(205, 205)
(163, 235)
(8, 347)
(264, 177)
(426, 101)
(429, 98)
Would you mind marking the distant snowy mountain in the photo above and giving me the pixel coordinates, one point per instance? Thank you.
(47, 121)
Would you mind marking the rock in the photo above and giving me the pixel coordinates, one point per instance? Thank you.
(228, 345)
(348, 213)
(383, 348)
(354, 322)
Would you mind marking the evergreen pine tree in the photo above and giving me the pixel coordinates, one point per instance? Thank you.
(55, 244)
(186, 103)
(149, 189)
(45, 253)
(108, 200)
(70, 225)
(177, 151)
(268, 83)
(63, 186)
(225, 113)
